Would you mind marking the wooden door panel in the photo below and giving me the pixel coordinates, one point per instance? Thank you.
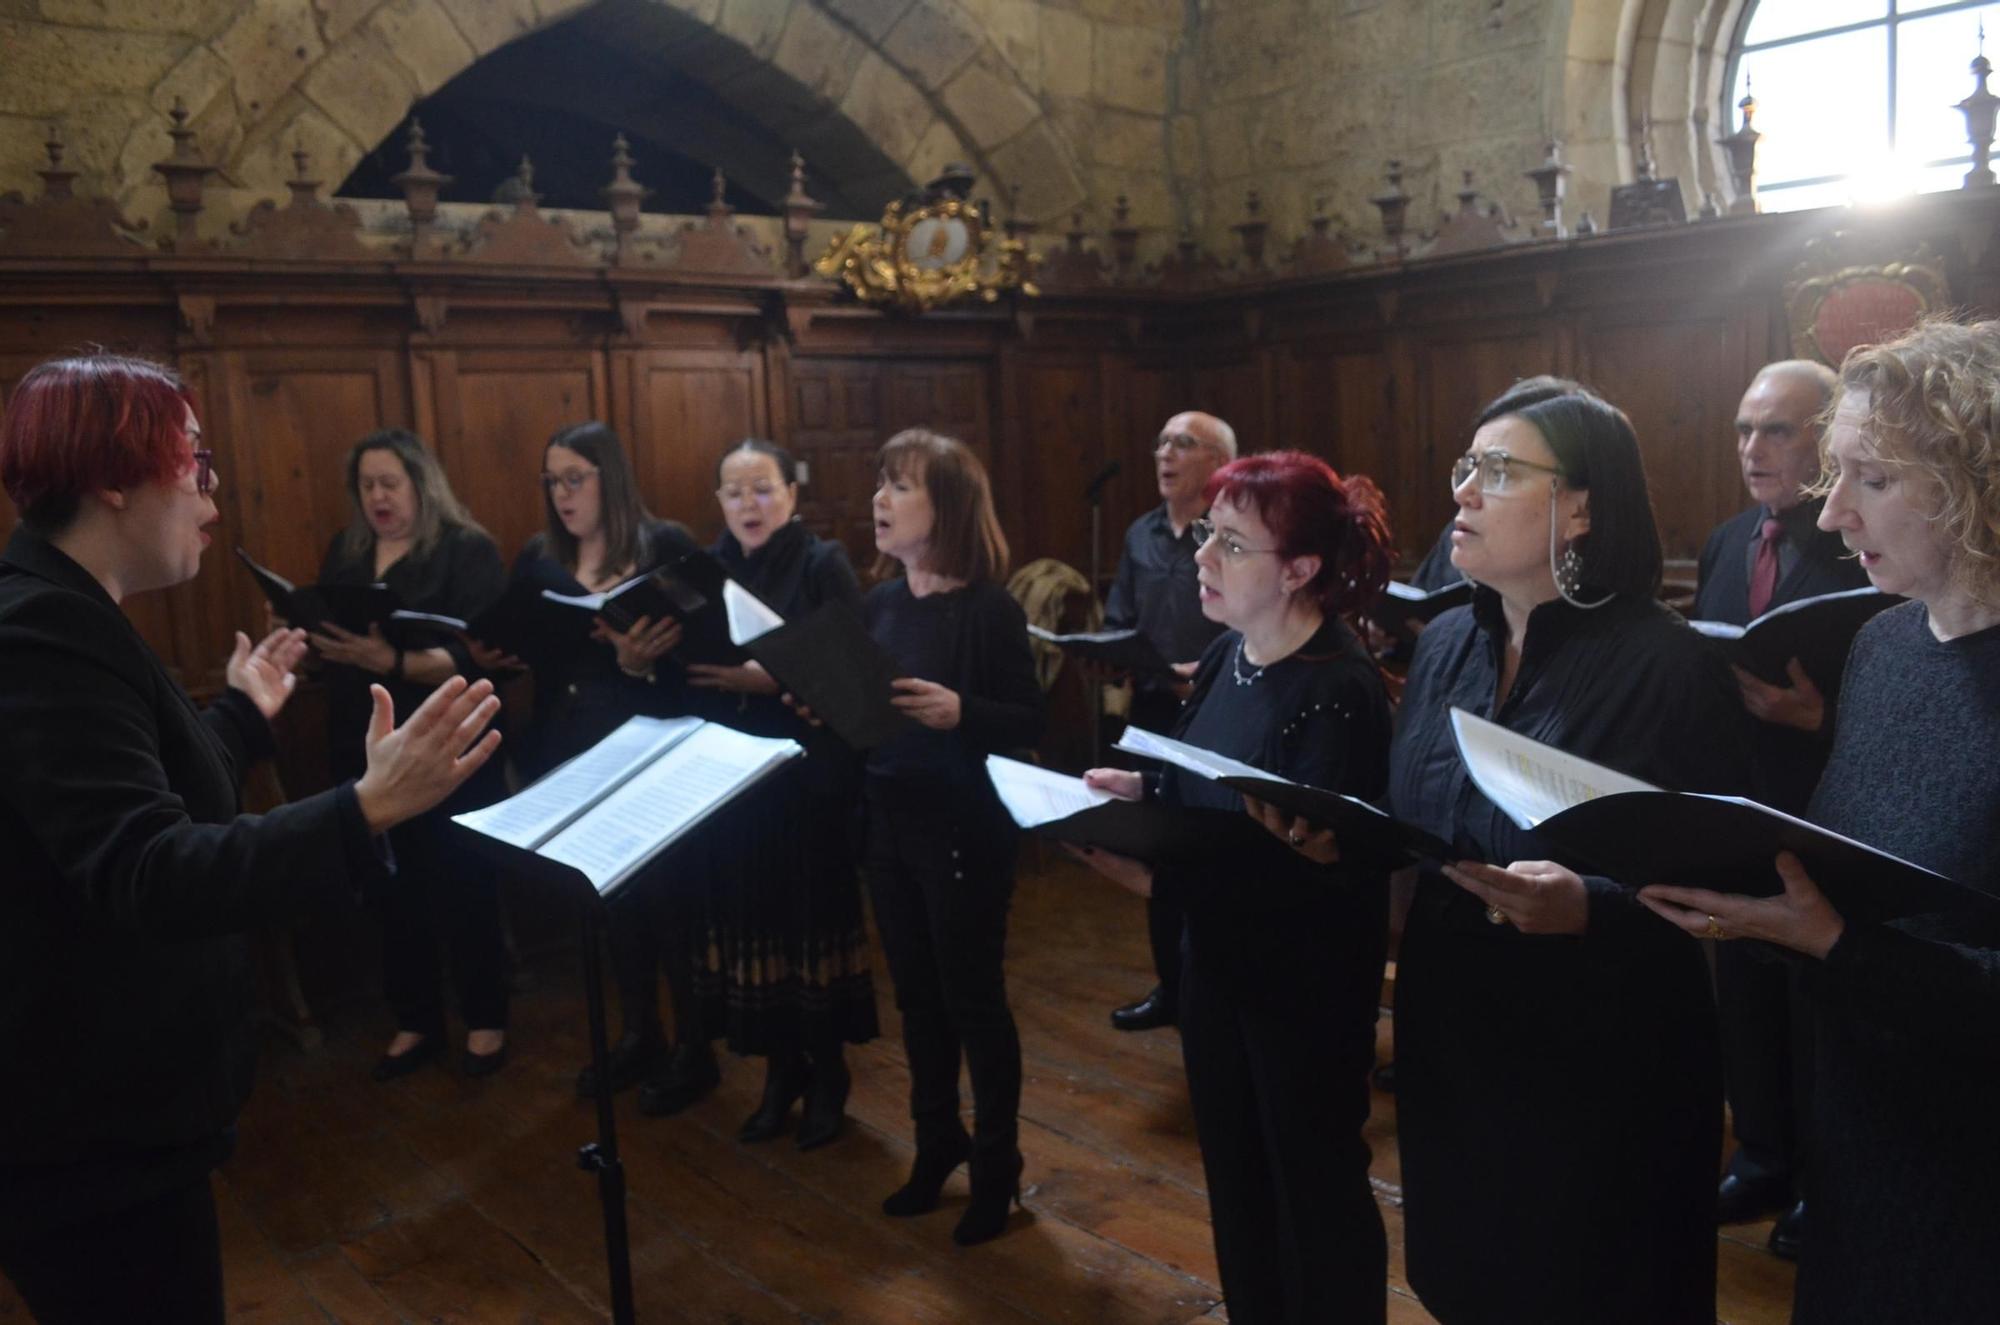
(690, 408)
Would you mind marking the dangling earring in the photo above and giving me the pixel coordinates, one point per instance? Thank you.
(1569, 572)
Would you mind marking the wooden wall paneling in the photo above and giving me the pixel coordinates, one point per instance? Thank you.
(1061, 402)
(1680, 381)
(1458, 370)
(1236, 390)
(837, 426)
(688, 407)
(495, 411)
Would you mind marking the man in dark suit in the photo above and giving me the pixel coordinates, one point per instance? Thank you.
(1155, 593)
(1769, 555)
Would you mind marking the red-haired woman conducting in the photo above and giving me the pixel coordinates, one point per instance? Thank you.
(131, 872)
(1282, 955)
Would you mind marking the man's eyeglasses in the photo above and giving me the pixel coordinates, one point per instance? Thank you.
(204, 472)
(1180, 443)
(570, 480)
(1204, 529)
(1495, 470)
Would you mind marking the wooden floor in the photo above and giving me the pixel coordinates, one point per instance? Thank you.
(441, 1199)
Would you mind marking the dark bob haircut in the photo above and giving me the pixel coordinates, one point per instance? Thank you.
(81, 425)
(1314, 512)
(1598, 453)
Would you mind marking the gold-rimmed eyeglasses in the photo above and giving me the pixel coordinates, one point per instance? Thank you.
(1495, 470)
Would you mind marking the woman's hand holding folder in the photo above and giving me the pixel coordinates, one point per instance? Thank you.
(1534, 896)
(642, 646)
(1132, 875)
(1300, 834)
(1799, 918)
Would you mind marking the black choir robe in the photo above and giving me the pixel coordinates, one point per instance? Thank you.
(1559, 1097)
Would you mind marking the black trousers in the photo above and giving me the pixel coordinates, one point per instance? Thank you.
(443, 896)
(1157, 711)
(1767, 1061)
(1278, 1076)
(941, 877)
(158, 1261)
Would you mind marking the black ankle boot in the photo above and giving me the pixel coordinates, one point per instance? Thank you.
(785, 1079)
(826, 1102)
(996, 1182)
(919, 1196)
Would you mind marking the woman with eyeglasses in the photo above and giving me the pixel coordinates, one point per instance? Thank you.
(784, 973)
(596, 535)
(1281, 954)
(1558, 1087)
(1906, 1013)
(940, 847)
(132, 874)
(410, 532)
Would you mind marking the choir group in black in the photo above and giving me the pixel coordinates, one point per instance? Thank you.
(1562, 1039)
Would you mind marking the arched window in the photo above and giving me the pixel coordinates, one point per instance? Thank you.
(1857, 99)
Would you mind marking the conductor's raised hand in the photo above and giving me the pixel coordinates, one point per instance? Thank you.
(413, 767)
(1132, 875)
(1120, 782)
(1799, 918)
(1798, 705)
(1534, 896)
(265, 673)
(641, 646)
(933, 705)
(1300, 834)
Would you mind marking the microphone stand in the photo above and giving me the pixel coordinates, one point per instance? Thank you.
(1093, 493)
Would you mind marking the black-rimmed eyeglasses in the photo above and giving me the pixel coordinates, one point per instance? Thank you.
(204, 472)
(570, 480)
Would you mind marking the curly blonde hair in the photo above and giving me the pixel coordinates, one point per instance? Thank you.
(1934, 415)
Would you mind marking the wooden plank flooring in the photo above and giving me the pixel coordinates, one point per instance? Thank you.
(441, 1199)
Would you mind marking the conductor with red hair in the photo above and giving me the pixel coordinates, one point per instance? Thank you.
(1282, 955)
(131, 872)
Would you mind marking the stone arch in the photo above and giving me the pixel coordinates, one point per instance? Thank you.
(1610, 66)
(921, 79)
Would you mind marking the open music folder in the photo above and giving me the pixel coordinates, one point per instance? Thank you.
(827, 660)
(1060, 807)
(1365, 835)
(1126, 650)
(689, 590)
(1616, 825)
(352, 607)
(607, 812)
(1400, 604)
(1817, 631)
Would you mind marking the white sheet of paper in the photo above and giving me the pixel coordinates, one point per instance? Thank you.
(529, 819)
(1204, 763)
(1528, 780)
(748, 617)
(1037, 796)
(660, 803)
(1081, 637)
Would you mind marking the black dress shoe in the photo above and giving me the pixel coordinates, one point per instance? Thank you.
(826, 1104)
(1149, 1013)
(484, 1065)
(689, 1075)
(1788, 1234)
(391, 1066)
(1740, 1200)
(636, 1056)
(785, 1080)
(996, 1182)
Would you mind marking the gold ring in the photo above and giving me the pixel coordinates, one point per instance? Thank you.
(1495, 916)
(1714, 930)
(1295, 839)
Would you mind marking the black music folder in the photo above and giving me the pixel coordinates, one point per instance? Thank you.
(599, 818)
(352, 607)
(689, 591)
(1636, 833)
(1400, 604)
(1126, 650)
(1060, 807)
(827, 660)
(1817, 631)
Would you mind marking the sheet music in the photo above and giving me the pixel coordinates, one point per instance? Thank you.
(748, 617)
(657, 806)
(1036, 796)
(1205, 763)
(1082, 637)
(529, 819)
(1528, 780)
(427, 618)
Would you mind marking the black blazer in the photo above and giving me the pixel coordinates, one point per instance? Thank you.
(131, 875)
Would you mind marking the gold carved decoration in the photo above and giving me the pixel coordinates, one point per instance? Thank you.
(1836, 299)
(935, 253)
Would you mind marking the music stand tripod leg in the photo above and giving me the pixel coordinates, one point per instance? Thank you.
(601, 1156)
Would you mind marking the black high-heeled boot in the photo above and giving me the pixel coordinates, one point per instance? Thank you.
(919, 1196)
(826, 1101)
(785, 1079)
(996, 1182)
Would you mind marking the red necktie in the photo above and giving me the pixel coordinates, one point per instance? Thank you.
(1764, 571)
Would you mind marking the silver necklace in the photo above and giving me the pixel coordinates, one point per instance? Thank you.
(1236, 667)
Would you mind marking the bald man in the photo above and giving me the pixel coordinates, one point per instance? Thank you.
(1155, 593)
(1773, 554)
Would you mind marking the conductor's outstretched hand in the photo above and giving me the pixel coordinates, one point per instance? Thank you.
(415, 766)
